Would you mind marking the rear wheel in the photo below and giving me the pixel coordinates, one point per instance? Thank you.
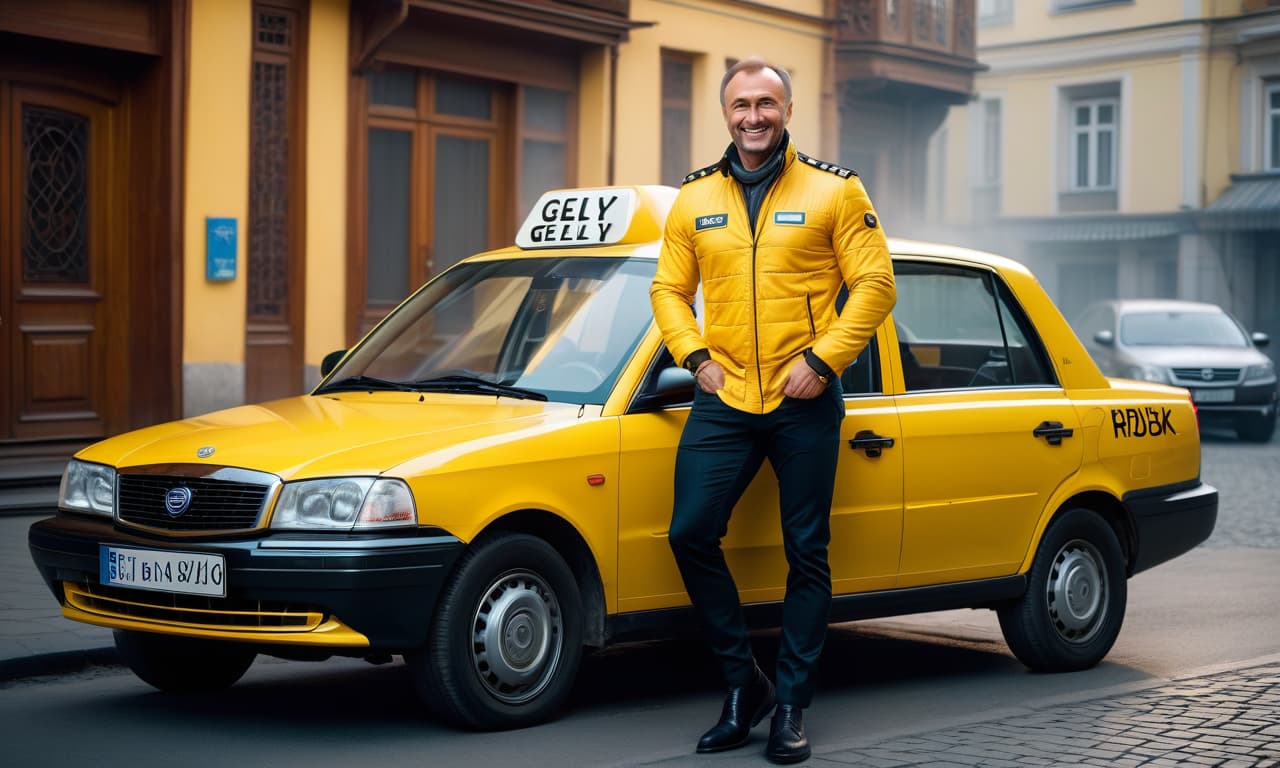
(1074, 605)
(506, 640)
(183, 664)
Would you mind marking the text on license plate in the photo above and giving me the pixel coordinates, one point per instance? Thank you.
(1213, 395)
(188, 573)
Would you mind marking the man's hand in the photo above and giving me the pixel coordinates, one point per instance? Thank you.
(802, 381)
(710, 377)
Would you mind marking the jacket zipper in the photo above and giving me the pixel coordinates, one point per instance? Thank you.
(755, 242)
(808, 305)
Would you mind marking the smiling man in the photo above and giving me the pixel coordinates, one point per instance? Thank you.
(772, 236)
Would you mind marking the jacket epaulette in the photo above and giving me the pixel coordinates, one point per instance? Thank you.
(822, 165)
(718, 165)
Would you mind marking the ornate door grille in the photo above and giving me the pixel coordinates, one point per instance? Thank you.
(55, 148)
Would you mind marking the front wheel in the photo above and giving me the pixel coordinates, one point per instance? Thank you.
(182, 664)
(1071, 613)
(506, 640)
(1256, 429)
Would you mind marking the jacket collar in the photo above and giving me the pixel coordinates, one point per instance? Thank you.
(788, 156)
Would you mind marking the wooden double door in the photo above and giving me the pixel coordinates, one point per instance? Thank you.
(64, 214)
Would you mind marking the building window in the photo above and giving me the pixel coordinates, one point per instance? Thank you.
(1082, 5)
(438, 184)
(990, 142)
(987, 176)
(677, 121)
(1092, 163)
(1272, 129)
(544, 148)
(994, 12)
(932, 22)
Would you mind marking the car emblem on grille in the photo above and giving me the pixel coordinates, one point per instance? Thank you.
(177, 500)
(1206, 374)
(205, 451)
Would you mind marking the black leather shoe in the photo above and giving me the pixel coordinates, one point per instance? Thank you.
(745, 706)
(787, 742)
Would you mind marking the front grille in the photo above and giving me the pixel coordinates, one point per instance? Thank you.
(216, 505)
(191, 610)
(1196, 375)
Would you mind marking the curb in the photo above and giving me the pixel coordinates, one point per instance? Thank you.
(60, 663)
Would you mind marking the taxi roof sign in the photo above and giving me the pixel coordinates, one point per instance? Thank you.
(569, 218)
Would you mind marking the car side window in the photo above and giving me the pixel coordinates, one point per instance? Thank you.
(962, 328)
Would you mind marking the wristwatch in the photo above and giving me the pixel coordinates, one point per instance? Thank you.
(818, 367)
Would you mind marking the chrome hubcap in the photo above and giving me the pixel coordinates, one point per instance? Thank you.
(1077, 591)
(517, 636)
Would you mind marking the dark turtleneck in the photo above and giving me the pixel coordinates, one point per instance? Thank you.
(756, 183)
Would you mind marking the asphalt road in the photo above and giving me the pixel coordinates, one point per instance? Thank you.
(1214, 609)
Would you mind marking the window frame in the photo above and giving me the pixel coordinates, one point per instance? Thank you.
(999, 12)
(1006, 310)
(1270, 127)
(1069, 6)
(673, 103)
(1093, 132)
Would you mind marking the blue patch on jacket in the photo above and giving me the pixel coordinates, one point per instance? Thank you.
(711, 221)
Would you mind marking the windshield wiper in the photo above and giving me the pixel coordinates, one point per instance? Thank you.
(466, 383)
(364, 383)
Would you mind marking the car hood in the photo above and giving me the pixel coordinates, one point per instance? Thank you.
(340, 434)
(1195, 357)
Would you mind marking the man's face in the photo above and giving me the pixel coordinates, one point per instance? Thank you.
(756, 111)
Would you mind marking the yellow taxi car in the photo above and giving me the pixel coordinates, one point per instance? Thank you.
(483, 484)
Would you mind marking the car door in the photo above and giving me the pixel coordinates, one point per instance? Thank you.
(866, 514)
(987, 432)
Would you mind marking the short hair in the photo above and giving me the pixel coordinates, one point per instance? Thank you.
(754, 64)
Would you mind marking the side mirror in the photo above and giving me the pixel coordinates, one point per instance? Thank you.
(1105, 338)
(673, 387)
(1260, 339)
(331, 361)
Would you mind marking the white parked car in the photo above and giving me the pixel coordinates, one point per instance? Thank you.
(1188, 344)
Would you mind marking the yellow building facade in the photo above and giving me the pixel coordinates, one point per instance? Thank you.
(1123, 149)
(266, 179)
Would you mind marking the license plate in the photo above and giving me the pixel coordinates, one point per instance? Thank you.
(1213, 395)
(187, 573)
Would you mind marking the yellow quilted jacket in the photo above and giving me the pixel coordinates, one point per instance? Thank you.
(771, 294)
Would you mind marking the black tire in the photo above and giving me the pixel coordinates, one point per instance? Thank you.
(1074, 605)
(506, 639)
(1256, 430)
(182, 664)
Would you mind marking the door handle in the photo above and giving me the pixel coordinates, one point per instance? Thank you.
(867, 440)
(1052, 432)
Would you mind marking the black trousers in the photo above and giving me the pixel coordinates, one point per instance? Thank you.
(721, 450)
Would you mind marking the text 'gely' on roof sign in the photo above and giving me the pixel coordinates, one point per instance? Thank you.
(575, 217)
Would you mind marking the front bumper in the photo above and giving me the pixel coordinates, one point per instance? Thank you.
(375, 591)
(1170, 520)
(1256, 400)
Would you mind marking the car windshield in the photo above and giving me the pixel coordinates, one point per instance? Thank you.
(547, 329)
(1180, 329)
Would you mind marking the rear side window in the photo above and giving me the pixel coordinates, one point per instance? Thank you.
(962, 328)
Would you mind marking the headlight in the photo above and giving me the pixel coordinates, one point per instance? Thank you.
(344, 504)
(88, 488)
(1148, 373)
(1261, 372)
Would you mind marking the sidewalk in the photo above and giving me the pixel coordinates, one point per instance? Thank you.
(34, 638)
(1228, 717)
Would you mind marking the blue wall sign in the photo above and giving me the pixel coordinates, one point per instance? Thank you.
(220, 251)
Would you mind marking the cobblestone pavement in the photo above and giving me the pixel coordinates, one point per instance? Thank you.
(1231, 719)
(1248, 510)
